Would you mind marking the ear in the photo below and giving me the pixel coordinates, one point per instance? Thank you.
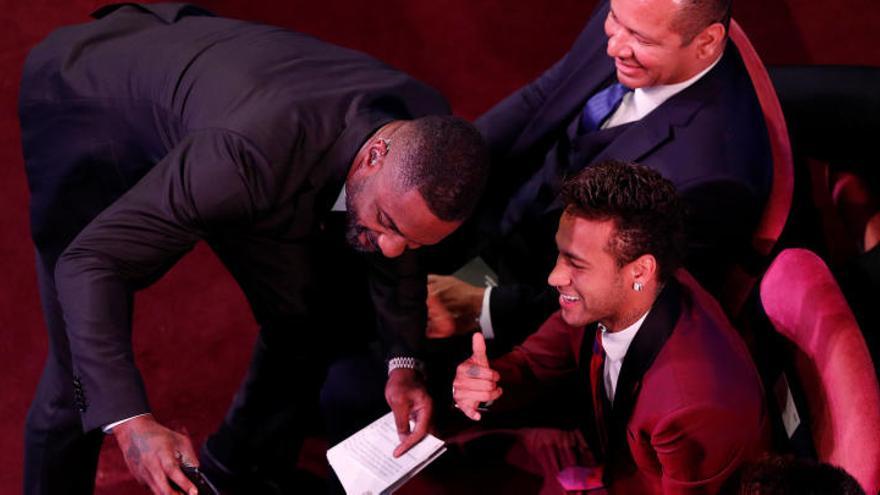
(644, 269)
(377, 151)
(369, 160)
(710, 41)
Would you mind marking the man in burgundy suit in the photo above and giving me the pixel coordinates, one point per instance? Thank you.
(674, 402)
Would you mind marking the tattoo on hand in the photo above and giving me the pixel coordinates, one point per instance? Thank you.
(139, 445)
(473, 371)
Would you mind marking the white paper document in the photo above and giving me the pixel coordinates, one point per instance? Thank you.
(364, 462)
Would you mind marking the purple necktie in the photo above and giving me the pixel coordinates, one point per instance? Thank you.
(600, 106)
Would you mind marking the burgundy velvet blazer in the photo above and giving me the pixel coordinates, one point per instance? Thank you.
(689, 403)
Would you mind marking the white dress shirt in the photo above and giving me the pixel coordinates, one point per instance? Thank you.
(616, 344)
(642, 101)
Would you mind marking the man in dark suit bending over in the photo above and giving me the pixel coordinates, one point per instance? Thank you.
(154, 127)
(653, 81)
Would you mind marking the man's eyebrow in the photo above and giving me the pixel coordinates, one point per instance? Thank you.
(631, 30)
(387, 221)
(573, 257)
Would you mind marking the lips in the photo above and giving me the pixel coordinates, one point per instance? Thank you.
(568, 300)
(627, 69)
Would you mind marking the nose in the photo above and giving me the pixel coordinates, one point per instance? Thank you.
(618, 43)
(391, 245)
(618, 46)
(559, 275)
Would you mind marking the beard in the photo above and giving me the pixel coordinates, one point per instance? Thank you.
(353, 229)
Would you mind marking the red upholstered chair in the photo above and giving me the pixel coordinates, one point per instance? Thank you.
(741, 280)
(830, 361)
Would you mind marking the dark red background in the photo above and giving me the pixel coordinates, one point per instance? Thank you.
(193, 329)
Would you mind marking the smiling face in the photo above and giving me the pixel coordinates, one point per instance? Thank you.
(647, 51)
(382, 217)
(591, 286)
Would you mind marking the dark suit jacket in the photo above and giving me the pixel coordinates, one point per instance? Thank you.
(689, 406)
(209, 128)
(709, 140)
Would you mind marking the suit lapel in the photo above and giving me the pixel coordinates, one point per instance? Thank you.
(648, 342)
(590, 419)
(637, 140)
(659, 126)
(642, 137)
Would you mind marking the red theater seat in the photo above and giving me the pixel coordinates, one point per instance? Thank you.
(742, 279)
(830, 360)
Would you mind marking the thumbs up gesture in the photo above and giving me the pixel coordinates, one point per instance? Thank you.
(475, 381)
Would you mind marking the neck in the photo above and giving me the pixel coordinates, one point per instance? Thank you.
(641, 304)
(707, 63)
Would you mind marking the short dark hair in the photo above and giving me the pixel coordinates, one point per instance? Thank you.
(693, 16)
(786, 475)
(647, 212)
(446, 158)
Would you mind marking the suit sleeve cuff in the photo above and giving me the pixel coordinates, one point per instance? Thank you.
(486, 316)
(109, 428)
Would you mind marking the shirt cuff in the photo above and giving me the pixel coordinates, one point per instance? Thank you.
(109, 428)
(485, 317)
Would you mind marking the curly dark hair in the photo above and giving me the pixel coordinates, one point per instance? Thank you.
(446, 158)
(786, 475)
(647, 212)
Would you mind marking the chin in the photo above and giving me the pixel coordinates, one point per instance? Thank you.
(633, 77)
(630, 82)
(574, 319)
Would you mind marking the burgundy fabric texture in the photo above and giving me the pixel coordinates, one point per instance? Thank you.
(193, 330)
(678, 438)
(804, 303)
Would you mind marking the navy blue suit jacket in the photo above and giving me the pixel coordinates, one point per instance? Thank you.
(709, 140)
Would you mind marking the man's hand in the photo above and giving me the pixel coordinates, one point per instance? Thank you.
(475, 381)
(154, 454)
(453, 306)
(408, 398)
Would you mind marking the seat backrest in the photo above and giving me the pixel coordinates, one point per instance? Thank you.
(782, 189)
(832, 363)
(741, 279)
